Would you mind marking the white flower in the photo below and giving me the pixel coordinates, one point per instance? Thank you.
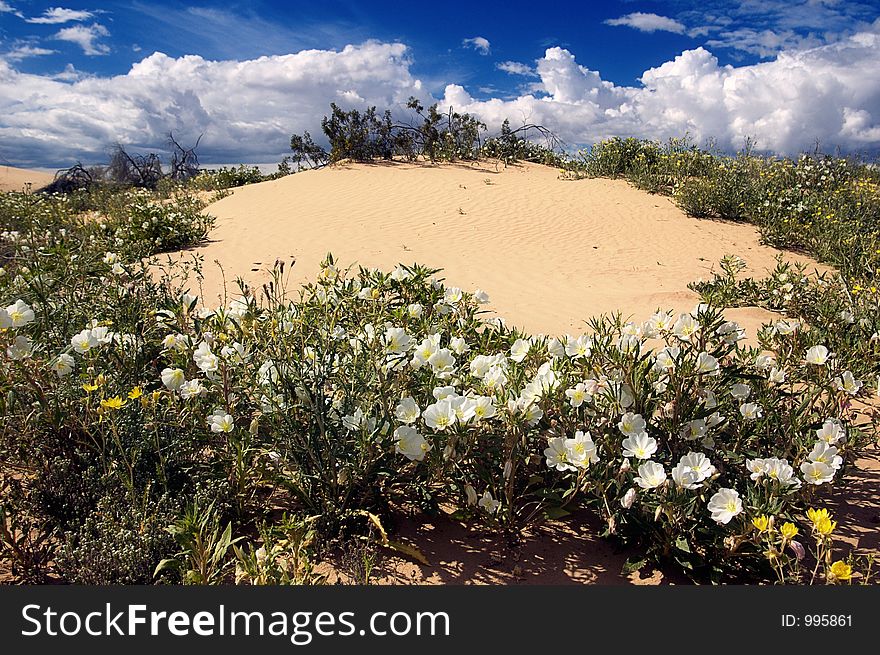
(452, 296)
(173, 378)
(763, 362)
(178, 342)
(110, 258)
(400, 274)
(20, 348)
(458, 345)
(581, 451)
(63, 365)
(780, 471)
(724, 505)
(831, 432)
(730, 332)
(358, 421)
(442, 361)
(825, 454)
(757, 468)
(207, 361)
(407, 410)
(651, 475)
(685, 327)
(488, 503)
(707, 364)
(396, 341)
(661, 322)
(785, 327)
(103, 335)
(532, 413)
(410, 444)
(627, 500)
(664, 360)
(555, 348)
(577, 394)
(817, 472)
(695, 429)
(484, 407)
(464, 408)
(439, 416)
(442, 393)
(84, 342)
(848, 383)
(220, 421)
(481, 296)
(520, 349)
(191, 389)
(751, 411)
(740, 391)
(19, 314)
(117, 269)
(578, 347)
(691, 470)
(414, 310)
(425, 350)
(496, 378)
(557, 456)
(640, 446)
(631, 424)
(817, 355)
(777, 375)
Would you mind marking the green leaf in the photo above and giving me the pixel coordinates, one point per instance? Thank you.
(632, 565)
(682, 544)
(166, 565)
(410, 551)
(553, 513)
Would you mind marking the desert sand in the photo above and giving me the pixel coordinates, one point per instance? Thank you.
(550, 253)
(17, 179)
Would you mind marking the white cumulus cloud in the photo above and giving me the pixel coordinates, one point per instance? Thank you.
(58, 15)
(648, 22)
(87, 37)
(516, 68)
(247, 110)
(478, 43)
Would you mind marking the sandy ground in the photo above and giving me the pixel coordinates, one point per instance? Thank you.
(17, 179)
(551, 253)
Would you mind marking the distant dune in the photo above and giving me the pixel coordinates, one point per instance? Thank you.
(550, 253)
(17, 179)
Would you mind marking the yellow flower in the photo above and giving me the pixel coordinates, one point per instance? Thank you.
(822, 522)
(113, 403)
(788, 530)
(761, 523)
(88, 387)
(135, 393)
(840, 570)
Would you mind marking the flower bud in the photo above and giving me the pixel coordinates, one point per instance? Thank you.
(628, 498)
(471, 494)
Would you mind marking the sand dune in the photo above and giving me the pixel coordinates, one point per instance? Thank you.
(550, 253)
(17, 179)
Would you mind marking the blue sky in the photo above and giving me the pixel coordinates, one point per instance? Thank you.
(75, 75)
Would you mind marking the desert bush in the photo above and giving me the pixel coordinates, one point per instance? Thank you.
(366, 136)
(226, 178)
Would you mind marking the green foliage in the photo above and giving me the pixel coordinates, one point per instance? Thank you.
(226, 178)
(366, 136)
